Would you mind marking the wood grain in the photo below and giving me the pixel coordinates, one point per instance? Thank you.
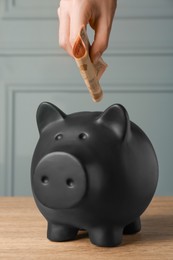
(23, 235)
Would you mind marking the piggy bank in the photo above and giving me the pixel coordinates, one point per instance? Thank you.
(93, 171)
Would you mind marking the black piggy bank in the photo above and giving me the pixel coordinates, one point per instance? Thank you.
(95, 171)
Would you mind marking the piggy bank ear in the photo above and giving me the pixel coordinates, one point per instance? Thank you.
(116, 118)
(46, 114)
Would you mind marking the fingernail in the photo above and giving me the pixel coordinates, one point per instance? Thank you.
(96, 57)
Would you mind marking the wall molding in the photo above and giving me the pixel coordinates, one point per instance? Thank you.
(139, 50)
(63, 87)
(2, 139)
(9, 137)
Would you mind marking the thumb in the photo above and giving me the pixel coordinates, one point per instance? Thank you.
(101, 40)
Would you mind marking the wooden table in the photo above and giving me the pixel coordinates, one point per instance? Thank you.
(23, 235)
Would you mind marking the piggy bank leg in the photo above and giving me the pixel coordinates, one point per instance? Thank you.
(133, 227)
(60, 233)
(106, 237)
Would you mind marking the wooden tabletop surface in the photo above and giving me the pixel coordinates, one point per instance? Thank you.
(23, 235)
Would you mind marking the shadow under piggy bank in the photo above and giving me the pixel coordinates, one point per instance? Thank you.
(95, 171)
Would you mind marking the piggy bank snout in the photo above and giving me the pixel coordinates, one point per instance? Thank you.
(59, 180)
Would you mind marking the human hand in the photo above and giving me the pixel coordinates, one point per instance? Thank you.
(75, 13)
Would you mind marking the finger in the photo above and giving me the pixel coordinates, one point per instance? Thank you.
(64, 30)
(101, 39)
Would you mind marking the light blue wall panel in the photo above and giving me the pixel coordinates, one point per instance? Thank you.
(34, 69)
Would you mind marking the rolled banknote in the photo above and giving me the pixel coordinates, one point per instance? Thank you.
(91, 73)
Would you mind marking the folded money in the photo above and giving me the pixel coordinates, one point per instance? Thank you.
(91, 73)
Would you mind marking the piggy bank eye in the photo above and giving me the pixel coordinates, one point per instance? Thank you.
(70, 183)
(83, 136)
(44, 180)
(58, 137)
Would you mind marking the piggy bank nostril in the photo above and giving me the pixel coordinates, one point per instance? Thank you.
(70, 183)
(44, 180)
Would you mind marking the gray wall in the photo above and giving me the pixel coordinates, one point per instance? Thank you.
(33, 69)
